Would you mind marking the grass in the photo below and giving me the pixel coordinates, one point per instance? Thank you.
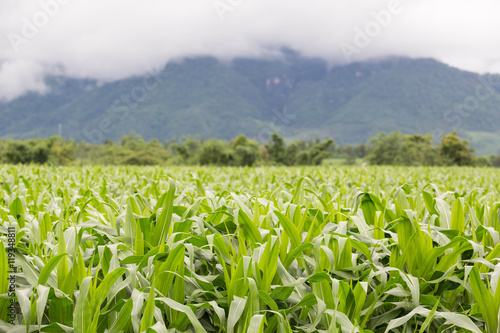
(313, 249)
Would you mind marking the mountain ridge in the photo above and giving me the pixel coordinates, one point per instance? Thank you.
(298, 97)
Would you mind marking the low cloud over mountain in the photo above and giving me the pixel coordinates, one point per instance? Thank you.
(115, 39)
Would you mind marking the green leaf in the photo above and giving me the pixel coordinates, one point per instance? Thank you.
(485, 300)
(82, 316)
(16, 208)
(290, 229)
(164, 221)
(198, 327)
(148, 315)
(48, 268)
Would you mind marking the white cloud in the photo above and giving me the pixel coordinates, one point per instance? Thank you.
(113, 39)
(19, 77)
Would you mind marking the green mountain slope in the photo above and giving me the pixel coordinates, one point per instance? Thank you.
(301, 98)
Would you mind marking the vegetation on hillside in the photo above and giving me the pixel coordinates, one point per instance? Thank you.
(384, 149)
(294, 95)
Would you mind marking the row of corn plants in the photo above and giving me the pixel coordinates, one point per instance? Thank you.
(313, 249)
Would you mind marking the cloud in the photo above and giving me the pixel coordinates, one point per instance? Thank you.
(20, 77)
(114, 39)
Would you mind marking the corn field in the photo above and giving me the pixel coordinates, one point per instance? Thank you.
(202, 249)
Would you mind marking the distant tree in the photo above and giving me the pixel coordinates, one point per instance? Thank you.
(2, 151)
(319, 151)
(495, 161)
(246, 152)
(240, 140)
(301, 145)
(215, 152)
(188, 150)
(133, 141)
(245, 155)
(360, 150)
(154, 144)
(18, 152)
(264, 154)
(303, 158)
(291, 153)
(417, 149)
(384, 148)
(144, 157)
(277, 149)
(482, 161)
(456, 151)
(62, 152)
(341, 150)
(173, 146)
(351, 155)
(41, 152)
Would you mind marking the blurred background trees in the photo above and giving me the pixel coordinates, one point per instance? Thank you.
(384, 149)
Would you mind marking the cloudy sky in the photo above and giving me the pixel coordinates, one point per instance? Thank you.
(113, 39)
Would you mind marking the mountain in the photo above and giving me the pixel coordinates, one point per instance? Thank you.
(298, 97)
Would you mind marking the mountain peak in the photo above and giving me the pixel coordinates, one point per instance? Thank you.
(298, 97)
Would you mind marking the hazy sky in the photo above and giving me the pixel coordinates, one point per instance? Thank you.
(113, 39)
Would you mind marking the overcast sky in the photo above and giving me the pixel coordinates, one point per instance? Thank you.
(114, 39)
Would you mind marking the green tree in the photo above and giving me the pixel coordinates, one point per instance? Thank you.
(133, 141)
(360, 150)
(246, 152)
(495, 161)
(384, 148)
(351, 155)
(417, 149)
(482, 162)
(188, 149)
(456, 151)
(303, 158)
(62, 152)
(145, 157)
(321, 150)
(277, 149)
(18, 152)
(215, 152)
(41, 152)
(291, 154)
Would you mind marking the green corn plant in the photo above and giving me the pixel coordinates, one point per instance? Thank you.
(488, 303)
(266, 249)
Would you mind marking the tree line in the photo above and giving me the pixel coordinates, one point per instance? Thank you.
(384, 149)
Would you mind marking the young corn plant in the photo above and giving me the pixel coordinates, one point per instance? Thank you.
(270, 249)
